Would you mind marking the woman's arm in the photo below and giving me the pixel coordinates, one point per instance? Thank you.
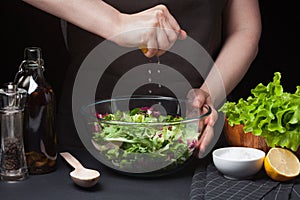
(242, 30)
(92, 15)
(154, 28)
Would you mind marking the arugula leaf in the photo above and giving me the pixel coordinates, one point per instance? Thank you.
(269, 112)
(134, 111)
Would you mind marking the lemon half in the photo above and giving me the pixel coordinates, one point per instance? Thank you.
(281, 164)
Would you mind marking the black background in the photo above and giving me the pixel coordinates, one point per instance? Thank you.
(23, 25)
(278, 48)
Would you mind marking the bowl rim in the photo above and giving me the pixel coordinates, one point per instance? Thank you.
(261, 154)
(147, 97)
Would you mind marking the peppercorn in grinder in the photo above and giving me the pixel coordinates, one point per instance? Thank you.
(12, 157)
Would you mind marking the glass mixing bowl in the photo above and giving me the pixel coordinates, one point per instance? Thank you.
(140, 135)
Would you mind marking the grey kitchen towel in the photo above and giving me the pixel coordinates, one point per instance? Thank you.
(209, 184)
(295, 192)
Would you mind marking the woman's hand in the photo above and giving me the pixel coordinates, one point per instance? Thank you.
(154, 30)
(199, 98)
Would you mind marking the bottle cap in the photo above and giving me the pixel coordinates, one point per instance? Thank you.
(10, 87)
(34, 55)
(12, 97)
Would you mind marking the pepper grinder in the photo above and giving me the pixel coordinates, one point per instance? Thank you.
(12, 156)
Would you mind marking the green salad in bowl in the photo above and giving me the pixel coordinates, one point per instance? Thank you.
(144, 135)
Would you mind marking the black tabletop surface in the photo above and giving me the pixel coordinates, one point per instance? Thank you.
(193, 182)
(112, 185)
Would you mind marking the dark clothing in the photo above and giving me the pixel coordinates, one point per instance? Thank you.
(201, 19)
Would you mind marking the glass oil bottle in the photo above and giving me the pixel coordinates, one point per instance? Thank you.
(39, 113)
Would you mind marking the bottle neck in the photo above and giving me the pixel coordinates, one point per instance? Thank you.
(28, 75)
(35, 70)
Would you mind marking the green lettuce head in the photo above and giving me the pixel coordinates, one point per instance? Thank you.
(269, 112)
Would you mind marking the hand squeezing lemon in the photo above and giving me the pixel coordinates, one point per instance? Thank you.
(281, 164)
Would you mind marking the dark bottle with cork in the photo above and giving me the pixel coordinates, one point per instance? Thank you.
(39, 114)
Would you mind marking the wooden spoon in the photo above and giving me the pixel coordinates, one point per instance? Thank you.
(82, 176)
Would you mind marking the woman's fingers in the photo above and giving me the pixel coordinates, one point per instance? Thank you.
(163, 40)
(182, 35)
(152, 46)
(173, 25)
(206, 127)
(154, 31)
(167, 32)
(205, 139)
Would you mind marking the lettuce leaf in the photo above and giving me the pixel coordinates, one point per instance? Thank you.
(269, 112)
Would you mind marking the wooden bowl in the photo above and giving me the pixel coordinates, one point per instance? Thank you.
(235, 136)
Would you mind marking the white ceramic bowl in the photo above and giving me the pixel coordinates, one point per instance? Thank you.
(238, 162)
